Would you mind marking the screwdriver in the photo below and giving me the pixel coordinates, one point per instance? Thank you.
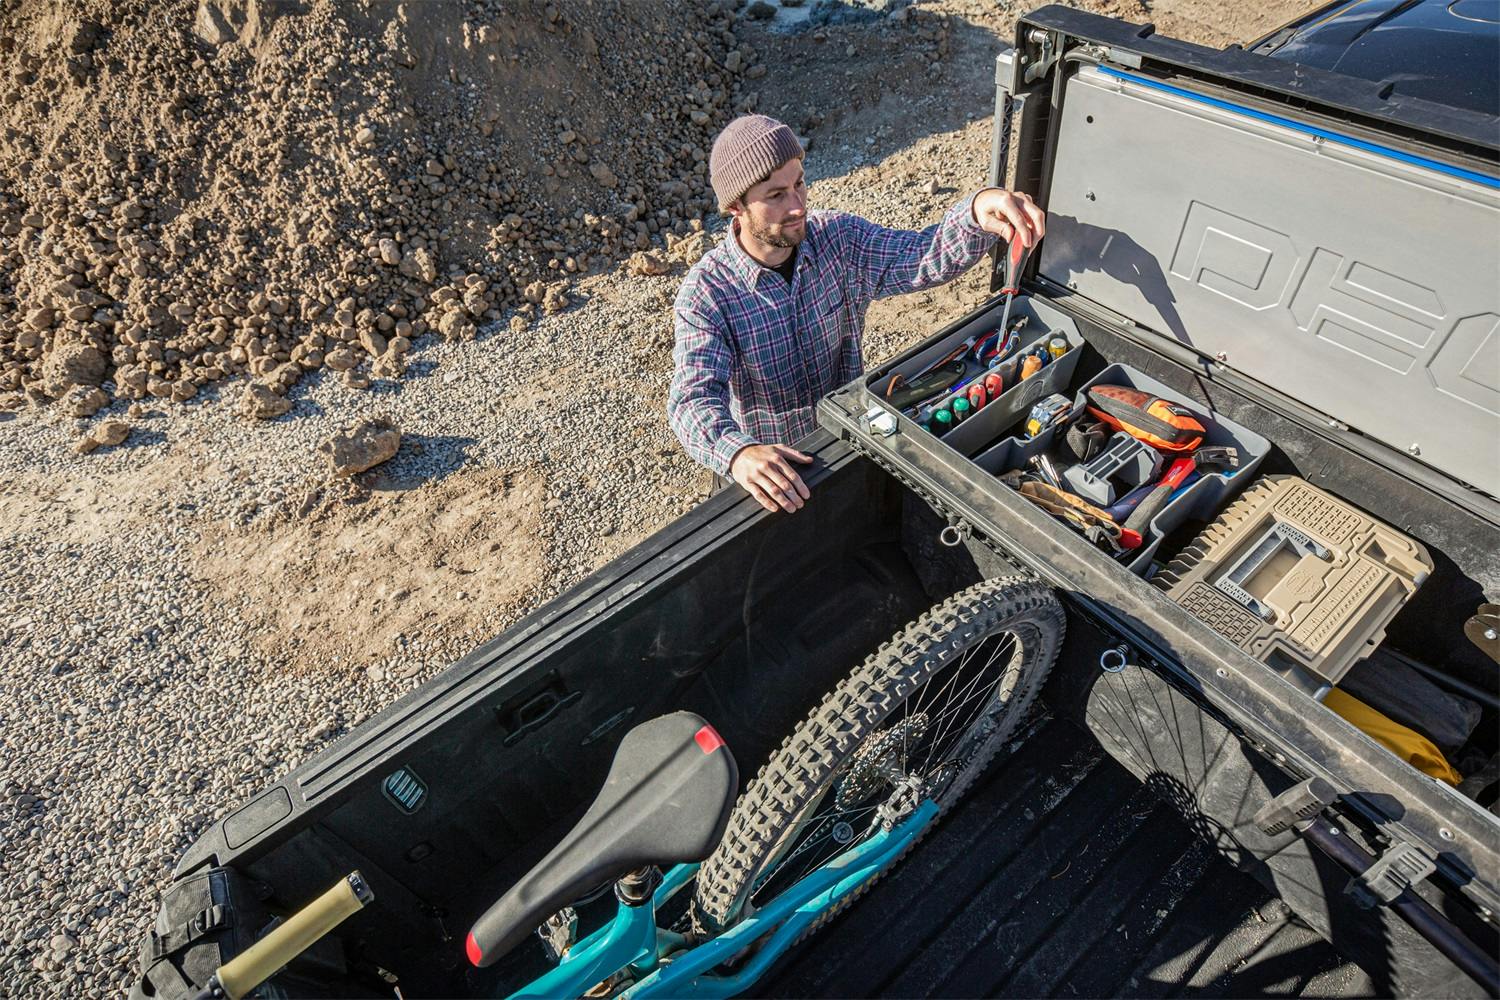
(1015, 263)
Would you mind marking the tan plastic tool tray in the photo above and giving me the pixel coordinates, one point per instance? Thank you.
(1297, 578)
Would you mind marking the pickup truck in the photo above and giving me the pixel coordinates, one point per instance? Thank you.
(1305, 257)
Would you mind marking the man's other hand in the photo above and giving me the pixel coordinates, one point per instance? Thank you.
(767, 475)
(1005, 212)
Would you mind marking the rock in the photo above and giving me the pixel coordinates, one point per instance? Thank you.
(373, 343)
(456, 325)
(260, 403)
(365, 137)
(435, 168)
(356, 379)
(84, 401)
(931, 187)
(108, 433)
(40, 319)
(517, 323)
(389, 365)
(183, 390)
(399, 344)
(760, 11)
(390, 252)
(362, 445)
(643, 262)
(220, 21)
(604, 175)
(691, 248)
(733, 61)
(341, 359)
(70, 365)
(556, 299)
(419, 263)
(112, 432)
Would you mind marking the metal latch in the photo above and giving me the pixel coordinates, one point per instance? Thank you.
(1398, 869)
(1047, 53)
(880, 421)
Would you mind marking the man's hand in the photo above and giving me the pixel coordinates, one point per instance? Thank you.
(764, 472)
(1006, 212)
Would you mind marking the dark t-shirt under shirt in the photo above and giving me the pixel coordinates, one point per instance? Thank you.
(786, 267)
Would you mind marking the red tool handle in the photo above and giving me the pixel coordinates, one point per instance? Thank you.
(1140, 518)
(1015, 263)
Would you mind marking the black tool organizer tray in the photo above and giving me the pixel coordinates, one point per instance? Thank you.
(1043, 322)
(993, 438)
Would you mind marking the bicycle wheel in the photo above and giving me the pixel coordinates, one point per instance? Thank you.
(920, 718)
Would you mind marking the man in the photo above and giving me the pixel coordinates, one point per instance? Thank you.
(772, 318)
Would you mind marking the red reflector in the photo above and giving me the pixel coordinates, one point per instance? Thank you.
(708, 740)
(471, 947)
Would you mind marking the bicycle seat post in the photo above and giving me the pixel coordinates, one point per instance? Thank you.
(637, 887)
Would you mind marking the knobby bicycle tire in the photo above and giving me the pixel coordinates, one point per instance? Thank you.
(776, 806)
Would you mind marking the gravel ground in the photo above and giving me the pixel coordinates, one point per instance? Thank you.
(171, 607)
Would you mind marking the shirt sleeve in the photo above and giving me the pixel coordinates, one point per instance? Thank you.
(893, 261)
(698, 401)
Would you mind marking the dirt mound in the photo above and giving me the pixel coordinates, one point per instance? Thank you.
(197, 190)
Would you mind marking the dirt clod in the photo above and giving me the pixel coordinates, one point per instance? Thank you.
(362, 445)
(260, 403)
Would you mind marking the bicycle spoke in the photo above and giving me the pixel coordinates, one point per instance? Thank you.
(963, 699)
(807, 846)
(954, 710)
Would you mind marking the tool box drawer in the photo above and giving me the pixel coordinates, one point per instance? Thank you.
(994, 437)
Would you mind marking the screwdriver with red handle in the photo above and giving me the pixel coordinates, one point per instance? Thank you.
(1015, 262)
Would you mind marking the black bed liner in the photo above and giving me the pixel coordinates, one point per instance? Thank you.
(1060, 874)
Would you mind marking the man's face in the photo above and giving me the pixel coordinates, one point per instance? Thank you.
(775, 210)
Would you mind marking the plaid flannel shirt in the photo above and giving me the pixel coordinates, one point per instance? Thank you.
(753, 355)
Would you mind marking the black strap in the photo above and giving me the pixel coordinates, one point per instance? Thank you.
(1085, 438)
(204, 922)
(167, 980)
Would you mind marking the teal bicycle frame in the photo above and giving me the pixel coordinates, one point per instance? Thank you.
(633, 941)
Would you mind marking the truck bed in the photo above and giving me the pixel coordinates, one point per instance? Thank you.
(1060, 874)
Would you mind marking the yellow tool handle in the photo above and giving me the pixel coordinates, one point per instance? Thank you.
(260, 961)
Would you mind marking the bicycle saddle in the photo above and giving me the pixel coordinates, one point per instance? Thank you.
(666, 801)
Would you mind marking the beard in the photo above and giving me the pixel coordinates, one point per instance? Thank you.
(773, 236)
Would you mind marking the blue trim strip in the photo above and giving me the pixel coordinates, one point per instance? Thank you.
(1296, 126)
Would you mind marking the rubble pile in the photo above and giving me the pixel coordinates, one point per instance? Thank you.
(191, 190)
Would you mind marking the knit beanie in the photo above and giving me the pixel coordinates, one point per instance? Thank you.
(750, 149)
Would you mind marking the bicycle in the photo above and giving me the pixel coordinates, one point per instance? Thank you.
(851, 791)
